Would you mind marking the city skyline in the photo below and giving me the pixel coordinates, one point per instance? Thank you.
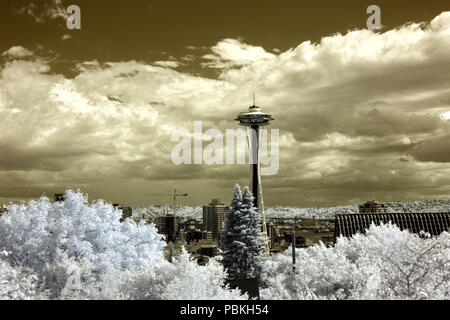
(362, 114)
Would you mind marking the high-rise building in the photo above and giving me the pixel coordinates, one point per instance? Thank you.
(272, 234)
(206, 235)
(168, 225)
(214, 216)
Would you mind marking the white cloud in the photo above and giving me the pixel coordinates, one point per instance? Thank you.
(56, 10)
(350, 106)
(30, 10)
(167, 64)
(188, 58)
(445, 115)
(17, 52)
(231, 53)
(52, 10)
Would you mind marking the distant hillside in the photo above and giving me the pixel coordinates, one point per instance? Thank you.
(304, 213)
(194, 212)
(420, 206)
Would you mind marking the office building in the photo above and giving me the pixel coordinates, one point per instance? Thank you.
(168, 225)
(214, 216)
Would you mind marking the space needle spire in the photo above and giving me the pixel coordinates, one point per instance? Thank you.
(254, 118)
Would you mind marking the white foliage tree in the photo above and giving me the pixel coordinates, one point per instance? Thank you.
(183, 279)
(76, 250)
(35, 233)
(73, 250)
(384, 263)
(243, 241)
(194, 282)
(17, 283)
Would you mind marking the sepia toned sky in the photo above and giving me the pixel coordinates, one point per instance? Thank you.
(362, 114)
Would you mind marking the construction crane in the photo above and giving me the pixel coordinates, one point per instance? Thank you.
(174, 195)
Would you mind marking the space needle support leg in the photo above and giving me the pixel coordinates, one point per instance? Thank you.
(256, 181)
(255, 165)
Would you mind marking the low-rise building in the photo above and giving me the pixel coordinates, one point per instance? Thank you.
(127, 212)
(308, 232)
(59, 197)
(373, 207)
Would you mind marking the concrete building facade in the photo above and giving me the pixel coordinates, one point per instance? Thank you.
(214, 216)
(373, 207)
(168, 225)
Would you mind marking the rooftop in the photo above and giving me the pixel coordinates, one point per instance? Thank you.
(348, 225)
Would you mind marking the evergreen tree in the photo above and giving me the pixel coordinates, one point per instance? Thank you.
(243, 241)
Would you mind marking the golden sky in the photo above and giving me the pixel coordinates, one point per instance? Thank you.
(362, 114)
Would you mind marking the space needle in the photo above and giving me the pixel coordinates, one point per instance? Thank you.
(255, 118)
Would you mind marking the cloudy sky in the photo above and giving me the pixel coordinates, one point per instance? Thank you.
(362, 114)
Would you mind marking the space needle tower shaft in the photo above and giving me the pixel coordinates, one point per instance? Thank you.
(254, 118)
